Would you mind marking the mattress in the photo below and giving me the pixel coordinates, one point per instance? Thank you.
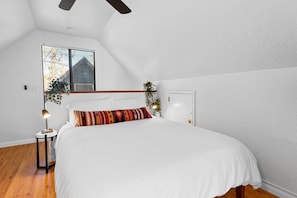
(150, 158)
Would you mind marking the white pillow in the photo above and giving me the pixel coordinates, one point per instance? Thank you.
(128, 103)
(93, 105)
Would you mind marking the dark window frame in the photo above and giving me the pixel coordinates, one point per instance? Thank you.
(70, 66)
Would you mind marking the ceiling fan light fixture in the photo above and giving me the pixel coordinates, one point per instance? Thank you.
(69, 29)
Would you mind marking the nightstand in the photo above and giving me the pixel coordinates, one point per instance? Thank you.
(45, 136)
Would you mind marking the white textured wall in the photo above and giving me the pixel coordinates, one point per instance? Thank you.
(259, 108)
(21, 64)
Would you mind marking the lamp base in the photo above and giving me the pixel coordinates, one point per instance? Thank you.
(47, 130)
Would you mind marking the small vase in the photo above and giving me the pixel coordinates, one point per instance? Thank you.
(157, 114)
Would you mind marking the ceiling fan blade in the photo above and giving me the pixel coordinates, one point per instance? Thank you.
(66, 4)
(120, 6)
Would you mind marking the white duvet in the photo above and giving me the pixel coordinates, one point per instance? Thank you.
(151, 158)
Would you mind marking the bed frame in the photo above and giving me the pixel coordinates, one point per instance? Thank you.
(240, 191)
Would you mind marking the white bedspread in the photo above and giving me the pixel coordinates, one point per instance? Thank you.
(151, 158)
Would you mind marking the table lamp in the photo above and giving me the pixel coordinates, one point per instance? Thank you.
(46, 115)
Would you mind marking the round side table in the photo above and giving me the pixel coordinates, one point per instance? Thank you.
(45, 136)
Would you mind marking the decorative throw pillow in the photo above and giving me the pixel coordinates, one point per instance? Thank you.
(88, 118)
(101, 104)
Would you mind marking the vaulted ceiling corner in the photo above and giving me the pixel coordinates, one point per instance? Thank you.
(16, 20)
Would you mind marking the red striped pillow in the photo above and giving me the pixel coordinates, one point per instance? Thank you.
(88, 118)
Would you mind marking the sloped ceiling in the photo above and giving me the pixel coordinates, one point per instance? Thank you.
(19, 17)
(86, 18)
(16, 20)
(170, 38)
(174, 39)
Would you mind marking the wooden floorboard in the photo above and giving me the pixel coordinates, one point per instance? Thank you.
(20, 178)
(250, 193)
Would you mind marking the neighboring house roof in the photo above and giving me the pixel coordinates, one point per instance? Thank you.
(83, 72)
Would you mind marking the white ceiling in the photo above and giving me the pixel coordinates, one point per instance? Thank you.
(16, 21)
(170, 38)
(87, 18)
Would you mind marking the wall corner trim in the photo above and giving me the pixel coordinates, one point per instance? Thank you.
(277, 190)
(17, 142)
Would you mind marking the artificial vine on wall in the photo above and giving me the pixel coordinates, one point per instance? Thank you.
(149, 93)
(55, 91)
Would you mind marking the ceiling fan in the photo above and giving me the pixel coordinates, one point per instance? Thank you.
(120, 6)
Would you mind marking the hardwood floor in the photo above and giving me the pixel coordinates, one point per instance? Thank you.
(250, 193)
(19, 176)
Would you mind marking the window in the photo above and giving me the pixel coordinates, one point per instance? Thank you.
(77, 67)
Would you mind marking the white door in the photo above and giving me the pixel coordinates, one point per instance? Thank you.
(181, 106)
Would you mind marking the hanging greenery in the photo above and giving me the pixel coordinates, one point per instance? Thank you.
(55, 91)
(150, 90)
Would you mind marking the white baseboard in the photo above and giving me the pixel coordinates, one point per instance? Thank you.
(277, 190)
(17, 142)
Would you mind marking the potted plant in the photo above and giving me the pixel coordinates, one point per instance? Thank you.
(55, 91)
(157, 107)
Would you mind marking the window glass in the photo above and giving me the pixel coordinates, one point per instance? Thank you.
(77, 67)
(82, 70)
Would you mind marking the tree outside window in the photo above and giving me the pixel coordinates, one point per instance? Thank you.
(76, 67)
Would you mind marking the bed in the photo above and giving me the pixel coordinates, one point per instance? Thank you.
(149, 157)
